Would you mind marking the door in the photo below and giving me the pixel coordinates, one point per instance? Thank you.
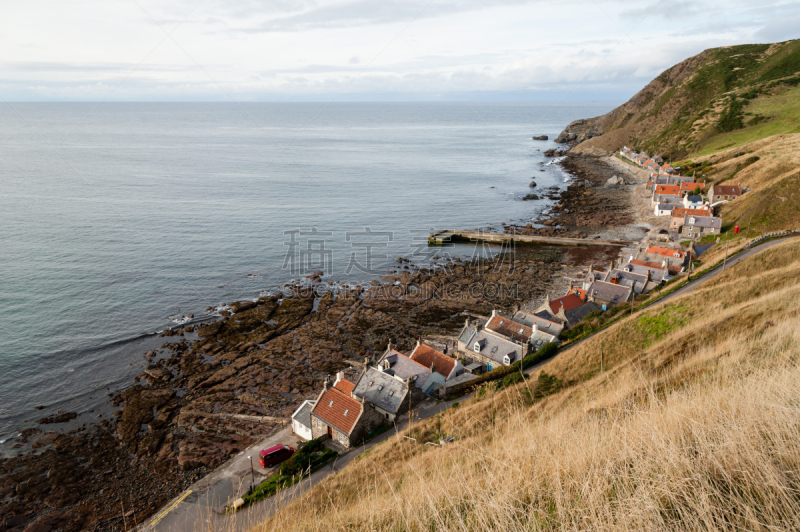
(330, 432)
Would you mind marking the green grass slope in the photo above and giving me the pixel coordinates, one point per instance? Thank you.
(719, 98)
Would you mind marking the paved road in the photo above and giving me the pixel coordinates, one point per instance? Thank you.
(198, 509)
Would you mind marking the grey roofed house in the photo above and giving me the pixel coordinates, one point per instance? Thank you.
(494, 347)
(668, 199)
(544, 325)
(628, 278)
(404, 367)
(302, 416)
(704, 221)
(385, 391)
(608, 292)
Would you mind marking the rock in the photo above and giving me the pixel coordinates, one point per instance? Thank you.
(62, 417)
(529, 197)
(614, 181)
(554, 153)
(532, 184)
(158, 373)
(540, 137)
(48, 438)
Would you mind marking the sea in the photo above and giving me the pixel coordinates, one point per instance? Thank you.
(120, 220)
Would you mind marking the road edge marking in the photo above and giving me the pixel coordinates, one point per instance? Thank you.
(170, 508)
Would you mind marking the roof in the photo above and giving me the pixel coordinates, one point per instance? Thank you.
(669, 190)
(656, 271)
(613, 293)
(381, 389)
(303, 414)
(543, 324)
(694, 199)
(344, 386)
(570, 301)
(338, 409)
(683, 211)
(655, 265)
(578, 313)
(727, 190)
(704, 221)
(510, 329)
(626, 277)
(404, 367)
(692, 186)
(495, 347)
(666, 252)
(425, 355)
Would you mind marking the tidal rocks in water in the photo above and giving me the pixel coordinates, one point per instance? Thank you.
(553, 152)
(540, 137)
(532, 184)
(529, 197)
(60, 417)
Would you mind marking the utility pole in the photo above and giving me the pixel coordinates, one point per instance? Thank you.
(748, 227)
(726, 256)
(252, 475)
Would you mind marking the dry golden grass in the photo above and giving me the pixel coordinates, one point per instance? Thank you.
(694, 425)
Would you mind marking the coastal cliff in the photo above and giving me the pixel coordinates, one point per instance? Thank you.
(690, 105)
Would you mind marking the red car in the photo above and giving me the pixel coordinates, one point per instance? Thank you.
(274, 455)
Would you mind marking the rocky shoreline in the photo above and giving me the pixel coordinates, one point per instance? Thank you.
(214, 389)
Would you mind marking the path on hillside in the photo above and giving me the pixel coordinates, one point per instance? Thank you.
(197, 509)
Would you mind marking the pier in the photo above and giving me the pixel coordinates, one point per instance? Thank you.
(449, 235)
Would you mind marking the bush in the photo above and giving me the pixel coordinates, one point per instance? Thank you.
(301, 459)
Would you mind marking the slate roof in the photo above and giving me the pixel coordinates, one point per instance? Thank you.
(691, 186)
(544, 324)
(338, 409)
(613, 293)
(303, 414)
(655, 265)
(510, 329)
(627, 277)
(425, 355)
(381, 389)
(495, 347)
(703, 221)
(578, 313)
(405, 368)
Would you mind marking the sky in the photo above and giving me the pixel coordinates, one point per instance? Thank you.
(369, 50)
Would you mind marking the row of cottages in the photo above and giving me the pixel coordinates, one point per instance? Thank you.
(640, 281)
(346, 412)
(723, 193)
(655, 163)
(501, 341)
(675, 259)
(667, 198)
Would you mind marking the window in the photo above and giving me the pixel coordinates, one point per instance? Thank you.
(391, 393)
(380, 387)
(371, 383)
(346, 412)
(330, 404)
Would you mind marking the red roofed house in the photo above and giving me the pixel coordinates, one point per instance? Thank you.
(672, 270)
(342, 417)
(674, 253)
(723, 192)
(439, 362)
(570, 308)
(687, 187)
(667, 190)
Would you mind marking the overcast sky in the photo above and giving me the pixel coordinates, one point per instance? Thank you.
(363, 49)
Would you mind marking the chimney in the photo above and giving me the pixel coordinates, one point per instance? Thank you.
(366, 362)
(389, 347)
(591, 269)
(571, 286)
(339, 377)
(535, 328)
(419, 340)
(326, 383)
(494, 312)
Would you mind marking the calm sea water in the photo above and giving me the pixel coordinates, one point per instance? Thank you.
(116, 218)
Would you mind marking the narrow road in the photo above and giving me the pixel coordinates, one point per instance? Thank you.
(198, 508)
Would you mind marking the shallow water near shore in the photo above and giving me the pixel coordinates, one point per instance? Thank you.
(115, 219)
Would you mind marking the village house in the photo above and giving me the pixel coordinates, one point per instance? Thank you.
(390, 395)
(488, 347)
(723, 193)
(688, 187)
(569, 309)
(543, 323)
(301, 420)
(342, 418)
(666, 190)
(666, 204)
(442, 367)
(692, 202)
(664, 266)
(639, 281)
(655, 273)
(532, 337)
(608, 294)
(696, 227)
(679, 215)
(395, 362)
(673, 257)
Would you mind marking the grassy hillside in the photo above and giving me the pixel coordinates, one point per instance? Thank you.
(693, 425)
(719, 98)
